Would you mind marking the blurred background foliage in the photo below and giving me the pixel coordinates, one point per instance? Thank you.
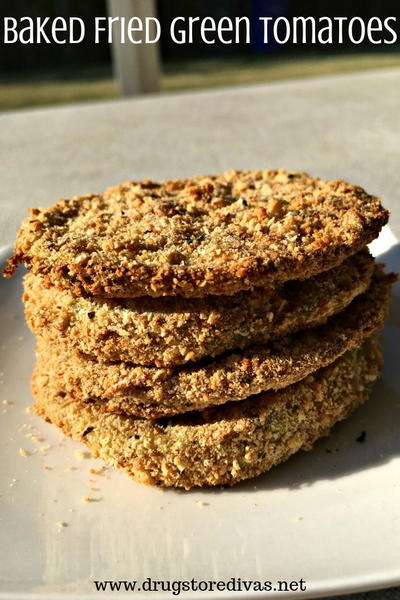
(34, 75)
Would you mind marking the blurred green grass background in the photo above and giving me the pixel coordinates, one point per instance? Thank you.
(62, 86)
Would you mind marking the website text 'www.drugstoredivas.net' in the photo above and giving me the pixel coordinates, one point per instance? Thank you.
(178, 587)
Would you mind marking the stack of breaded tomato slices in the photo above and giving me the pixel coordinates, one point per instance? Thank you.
(197, 332)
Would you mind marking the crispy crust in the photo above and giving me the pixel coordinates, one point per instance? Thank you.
(206, 235)
(223, 445)
(154, 392)
(172, 331)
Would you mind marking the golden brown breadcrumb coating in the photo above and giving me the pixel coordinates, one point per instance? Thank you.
(222, 445)
(154, 392)
(172, 331)
(193, 237)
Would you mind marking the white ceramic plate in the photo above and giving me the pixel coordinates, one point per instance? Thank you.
(330, 518)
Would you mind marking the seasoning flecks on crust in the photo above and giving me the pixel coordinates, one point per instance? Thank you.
(153, 392)
(205, 235)
(222, 445)
(173, 331)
